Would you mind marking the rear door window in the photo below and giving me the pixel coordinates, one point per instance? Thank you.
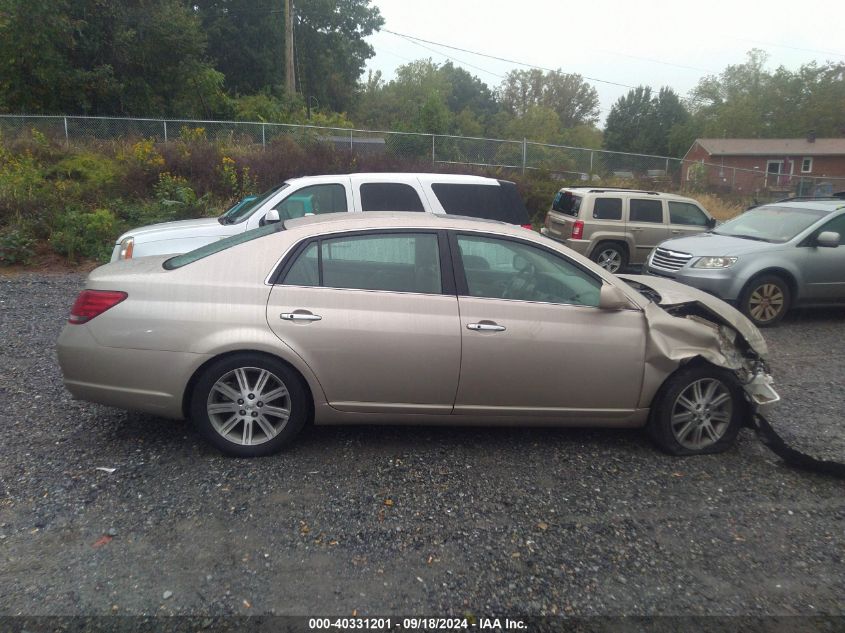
(390, 196)
(686, 213)
(641, 210)
(607, 209)
(394, 262)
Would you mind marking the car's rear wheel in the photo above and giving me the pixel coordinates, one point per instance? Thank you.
(249, 405)
(610, 256)
(765, 300)
(698, 410)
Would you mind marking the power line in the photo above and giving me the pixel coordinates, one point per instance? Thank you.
(450, 57)
(501, 59)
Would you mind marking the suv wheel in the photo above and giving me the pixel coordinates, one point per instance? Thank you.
(765, 300)
(610, 256)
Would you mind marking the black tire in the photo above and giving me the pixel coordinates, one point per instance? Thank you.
(765, 300)
(262, 425)
(611, 256)
(667, 425)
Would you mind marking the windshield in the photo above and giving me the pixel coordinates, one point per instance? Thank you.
(221, 245)
(771, 224)
(246, 207)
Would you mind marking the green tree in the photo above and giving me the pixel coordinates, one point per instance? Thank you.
(574, 100)
(747, 100)
(94, 57)
(642, 122)
(331, 51)
(246, 40)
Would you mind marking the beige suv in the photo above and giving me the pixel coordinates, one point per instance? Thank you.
(617, 227)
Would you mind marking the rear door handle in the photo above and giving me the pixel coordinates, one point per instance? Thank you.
(486, 327)
(299, 316)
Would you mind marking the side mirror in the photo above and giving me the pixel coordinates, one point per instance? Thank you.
(612, 298)
(711, 222)
(828, 239)
(272, 216)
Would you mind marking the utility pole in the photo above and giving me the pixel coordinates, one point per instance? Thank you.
(290, 83)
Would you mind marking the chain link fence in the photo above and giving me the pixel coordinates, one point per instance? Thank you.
(585, 165)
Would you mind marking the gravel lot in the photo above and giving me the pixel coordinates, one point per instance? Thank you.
(408, 521)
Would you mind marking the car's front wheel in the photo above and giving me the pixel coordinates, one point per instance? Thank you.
(765, 300)
(698, 410)
(249, 405)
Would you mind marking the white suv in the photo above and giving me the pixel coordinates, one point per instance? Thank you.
(473, 196)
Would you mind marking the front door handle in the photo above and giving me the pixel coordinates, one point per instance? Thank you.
(675, 231)
(299, 316)
(486, 327)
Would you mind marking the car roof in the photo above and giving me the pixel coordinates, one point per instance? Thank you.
(623, 190)
(402, 176)
(829, 205)
(392, 219)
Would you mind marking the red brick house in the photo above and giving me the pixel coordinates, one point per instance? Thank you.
(804, 166)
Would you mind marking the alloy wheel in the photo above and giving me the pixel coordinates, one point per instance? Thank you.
(766, 302)
(701, 414)
(610, 259)
(248, 405)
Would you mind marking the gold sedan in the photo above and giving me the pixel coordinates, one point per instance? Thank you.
(404, 318)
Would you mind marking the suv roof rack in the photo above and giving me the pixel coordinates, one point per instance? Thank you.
(611, 189)
(838, 196)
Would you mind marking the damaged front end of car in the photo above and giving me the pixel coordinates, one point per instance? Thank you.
(686, 324)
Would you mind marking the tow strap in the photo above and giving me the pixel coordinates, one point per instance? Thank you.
(791, 456)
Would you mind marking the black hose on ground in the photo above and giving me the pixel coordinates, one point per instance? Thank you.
(791, 456)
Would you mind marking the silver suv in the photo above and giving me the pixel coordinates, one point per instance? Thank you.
(617, 227)
(766, 260)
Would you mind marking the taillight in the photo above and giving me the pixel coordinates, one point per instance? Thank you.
(527, 226)
(91, 303)
(578, 230)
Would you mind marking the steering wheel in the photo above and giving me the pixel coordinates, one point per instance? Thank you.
(524, 282)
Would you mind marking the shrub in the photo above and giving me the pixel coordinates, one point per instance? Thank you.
(87, 175)
(85, 234)
(16, 247)
(22, 184)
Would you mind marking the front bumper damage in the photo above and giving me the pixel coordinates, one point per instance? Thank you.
(690, 324)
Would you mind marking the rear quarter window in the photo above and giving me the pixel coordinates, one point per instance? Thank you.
(491, 202)
(607, 208)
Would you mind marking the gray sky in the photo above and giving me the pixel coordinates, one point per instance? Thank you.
(655, 43)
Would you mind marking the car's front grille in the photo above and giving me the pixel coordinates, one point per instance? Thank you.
(664, 259)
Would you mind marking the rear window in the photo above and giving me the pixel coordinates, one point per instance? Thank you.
(567, 202)
(221, 245)
(607, 209)
(490, 202)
